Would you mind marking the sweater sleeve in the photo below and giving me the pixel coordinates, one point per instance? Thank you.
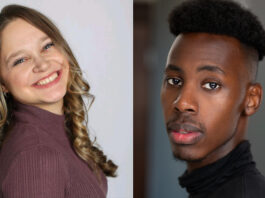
(36, 173)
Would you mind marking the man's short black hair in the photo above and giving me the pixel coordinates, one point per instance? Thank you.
(219, 17)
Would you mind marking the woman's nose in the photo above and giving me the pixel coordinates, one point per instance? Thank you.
(41, 64)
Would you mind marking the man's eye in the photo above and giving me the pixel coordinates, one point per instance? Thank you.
(211, 85)
(174, 81)
(19, 61)
(49, 45)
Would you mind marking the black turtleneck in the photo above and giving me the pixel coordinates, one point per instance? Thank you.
(234, 175)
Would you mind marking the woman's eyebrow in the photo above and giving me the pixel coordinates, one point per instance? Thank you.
(43, 38)
(12, 55)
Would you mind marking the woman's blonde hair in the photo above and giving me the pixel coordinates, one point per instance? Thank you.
(77, 88)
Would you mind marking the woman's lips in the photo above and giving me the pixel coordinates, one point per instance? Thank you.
(56, 80)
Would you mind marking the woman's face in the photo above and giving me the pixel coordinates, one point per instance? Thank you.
(33, 70)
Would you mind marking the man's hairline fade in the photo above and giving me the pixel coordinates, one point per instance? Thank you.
(222, 17)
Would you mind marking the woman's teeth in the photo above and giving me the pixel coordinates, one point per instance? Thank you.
(48, 80)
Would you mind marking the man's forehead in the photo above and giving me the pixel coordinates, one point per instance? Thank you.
(192, 51)
(206, 40)
(205, 48)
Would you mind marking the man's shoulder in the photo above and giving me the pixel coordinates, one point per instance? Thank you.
(250, 184)
(254, 184)
(247, 185)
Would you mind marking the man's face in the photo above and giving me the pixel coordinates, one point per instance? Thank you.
(203, 96)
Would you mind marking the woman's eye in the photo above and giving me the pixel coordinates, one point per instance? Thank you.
(19, 61)
(49, 45)
(211, 85)
(174, 81)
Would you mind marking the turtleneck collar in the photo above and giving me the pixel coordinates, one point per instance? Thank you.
(52, 123)
(210, 177)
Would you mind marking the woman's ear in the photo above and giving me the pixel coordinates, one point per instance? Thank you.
(3, 87)
(253, 100)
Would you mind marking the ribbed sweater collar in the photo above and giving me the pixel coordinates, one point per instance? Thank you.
(208, 178)
(48, 121)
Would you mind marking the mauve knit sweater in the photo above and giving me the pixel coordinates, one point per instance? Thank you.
(38, 161)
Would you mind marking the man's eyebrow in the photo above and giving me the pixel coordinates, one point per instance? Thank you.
(171, 67)
(211, 69)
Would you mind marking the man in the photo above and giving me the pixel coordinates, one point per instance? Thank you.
(208, 92)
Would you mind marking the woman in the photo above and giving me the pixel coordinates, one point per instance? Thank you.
(45, 148)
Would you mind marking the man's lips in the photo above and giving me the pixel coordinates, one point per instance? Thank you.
(184, 133)
(186, 127)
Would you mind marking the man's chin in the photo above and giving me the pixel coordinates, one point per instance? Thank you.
(187, 158)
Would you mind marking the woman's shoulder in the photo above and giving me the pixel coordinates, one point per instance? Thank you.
(26, 141)
(39, 153)
(35, 164)
(25, 136)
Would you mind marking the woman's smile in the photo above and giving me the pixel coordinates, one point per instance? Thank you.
(35, 71)
(49, 81)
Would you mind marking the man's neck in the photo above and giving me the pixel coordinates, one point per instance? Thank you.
(223, 149)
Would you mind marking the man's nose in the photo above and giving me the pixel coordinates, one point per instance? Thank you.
(186, 100)
(40, 64)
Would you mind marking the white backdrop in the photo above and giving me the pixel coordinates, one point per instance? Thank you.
(100, 35)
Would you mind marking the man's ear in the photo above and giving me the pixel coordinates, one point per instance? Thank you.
(253, 100)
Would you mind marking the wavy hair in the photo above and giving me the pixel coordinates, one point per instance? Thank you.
(74, 107)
